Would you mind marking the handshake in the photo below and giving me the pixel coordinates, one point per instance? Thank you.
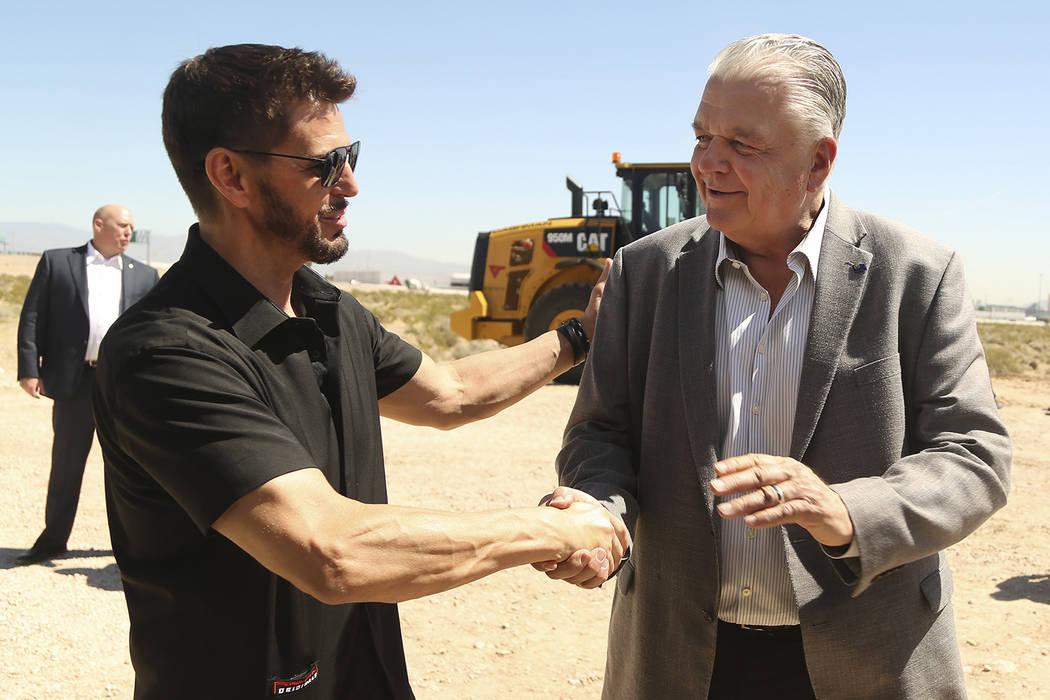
(595, 539)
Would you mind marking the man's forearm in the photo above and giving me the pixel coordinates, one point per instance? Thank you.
(405, 553)
(497, 379)
(454, 393)
(451, 394)
(341, 551)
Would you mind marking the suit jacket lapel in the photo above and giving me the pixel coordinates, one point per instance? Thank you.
(78, 268)
(696, 352)
(841, 278)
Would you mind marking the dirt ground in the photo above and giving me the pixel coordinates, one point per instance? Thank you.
(63, 627)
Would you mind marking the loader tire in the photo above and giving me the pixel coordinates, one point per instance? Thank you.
(550, 310)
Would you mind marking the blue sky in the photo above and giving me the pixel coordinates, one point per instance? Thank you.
(471, 114)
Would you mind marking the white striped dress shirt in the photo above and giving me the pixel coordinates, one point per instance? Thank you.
(758, 363)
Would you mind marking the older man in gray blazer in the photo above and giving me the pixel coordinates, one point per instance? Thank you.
(788, 404)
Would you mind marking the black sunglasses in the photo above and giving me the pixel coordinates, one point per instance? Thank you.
(331, 164)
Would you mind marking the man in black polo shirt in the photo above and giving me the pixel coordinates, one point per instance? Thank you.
(238, 410)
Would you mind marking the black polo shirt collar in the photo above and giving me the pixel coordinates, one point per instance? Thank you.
(248, 312)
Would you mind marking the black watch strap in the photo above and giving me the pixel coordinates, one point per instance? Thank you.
(577, 337)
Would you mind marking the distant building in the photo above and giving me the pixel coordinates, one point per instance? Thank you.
(366, 276)
(994, 312)
(1037, 312)
(405, 278)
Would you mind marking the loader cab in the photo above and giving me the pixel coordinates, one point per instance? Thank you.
(655, 195)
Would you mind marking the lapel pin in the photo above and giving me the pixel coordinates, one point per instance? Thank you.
(857, 267)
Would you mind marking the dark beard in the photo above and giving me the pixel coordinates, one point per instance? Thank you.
(305, 236)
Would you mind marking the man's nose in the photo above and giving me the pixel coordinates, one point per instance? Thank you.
(346, 185)
(713, 158)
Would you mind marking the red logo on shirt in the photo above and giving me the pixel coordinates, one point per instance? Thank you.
(295, 683)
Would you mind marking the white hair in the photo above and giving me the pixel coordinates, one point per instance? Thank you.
(814, 85)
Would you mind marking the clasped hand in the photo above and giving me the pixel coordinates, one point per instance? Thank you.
(586, 568)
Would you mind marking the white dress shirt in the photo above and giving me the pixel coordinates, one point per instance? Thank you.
(104, 276)
(758, 361)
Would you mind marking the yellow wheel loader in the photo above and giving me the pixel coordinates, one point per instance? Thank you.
(527, 279)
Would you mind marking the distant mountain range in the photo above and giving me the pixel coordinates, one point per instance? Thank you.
(36, 237)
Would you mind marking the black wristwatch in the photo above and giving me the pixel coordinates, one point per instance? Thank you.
(577, 337)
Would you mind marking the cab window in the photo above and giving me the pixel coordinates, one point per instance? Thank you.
(661, 205)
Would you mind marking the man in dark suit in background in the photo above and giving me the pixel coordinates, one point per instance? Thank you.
(75, 295)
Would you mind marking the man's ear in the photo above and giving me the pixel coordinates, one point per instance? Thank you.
(225, 170)
(823, 159)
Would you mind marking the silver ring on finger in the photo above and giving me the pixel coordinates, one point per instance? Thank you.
(778, 491)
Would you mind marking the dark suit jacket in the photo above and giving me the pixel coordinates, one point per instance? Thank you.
(53, 327)
(895, 411)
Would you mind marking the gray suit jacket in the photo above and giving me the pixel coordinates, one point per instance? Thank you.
(53, 326)
(895, 410)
